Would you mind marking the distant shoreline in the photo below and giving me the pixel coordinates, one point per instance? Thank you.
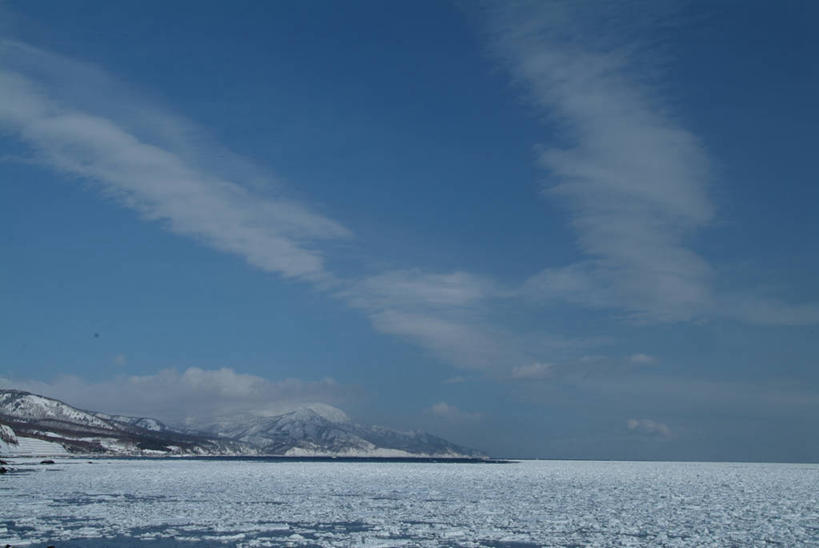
(284, 458)
(278, 458)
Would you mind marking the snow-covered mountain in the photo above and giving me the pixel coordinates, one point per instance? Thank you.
(143, 422)
(45, 424)
(311, 430)
(320, 429)
(31, 407)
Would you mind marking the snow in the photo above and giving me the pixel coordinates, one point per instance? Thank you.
(314, 429)
(8, 440)
(7, 434)
(33, 447)
(551, 503)
(143, 422)
(375, 452)
(23, 405)
(319, 429)
(328, 412)
(150, 424)
(372, 452)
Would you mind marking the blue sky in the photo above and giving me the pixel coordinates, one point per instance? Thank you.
(557, 229)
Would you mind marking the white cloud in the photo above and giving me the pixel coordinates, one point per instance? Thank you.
(456, 341)
(451, 413)
(634, 179)
(576, 370)
(80, 122)
(194, 393)
(592, 358)
(534, 371)
(154, 163)
(642, 359)
(649, 427)
(451, 316)
(418, 290)
(443, 313)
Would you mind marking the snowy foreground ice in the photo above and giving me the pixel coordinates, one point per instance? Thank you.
(163, 503)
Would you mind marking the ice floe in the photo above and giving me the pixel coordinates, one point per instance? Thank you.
(554, 503)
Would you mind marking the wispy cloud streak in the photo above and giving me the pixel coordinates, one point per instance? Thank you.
(634, 179)
(458, 318)
(80, 122)
(149, 168)
(444, 313)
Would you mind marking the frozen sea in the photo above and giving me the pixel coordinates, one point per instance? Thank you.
(179, 502)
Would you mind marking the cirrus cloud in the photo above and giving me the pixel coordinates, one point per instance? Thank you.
(147, 160)
(633, 178)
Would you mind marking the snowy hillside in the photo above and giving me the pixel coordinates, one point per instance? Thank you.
(142, 422)
(320, 429)
(7, 435)
(47, 426)
(8, 439)
(42, 423)
(23, 405)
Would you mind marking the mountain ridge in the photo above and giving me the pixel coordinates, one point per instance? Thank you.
(311, 430)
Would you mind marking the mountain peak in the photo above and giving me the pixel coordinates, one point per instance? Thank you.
(26, 405)
(315, 429)
(327, 412)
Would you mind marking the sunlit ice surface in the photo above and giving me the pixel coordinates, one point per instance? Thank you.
(167, 502)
